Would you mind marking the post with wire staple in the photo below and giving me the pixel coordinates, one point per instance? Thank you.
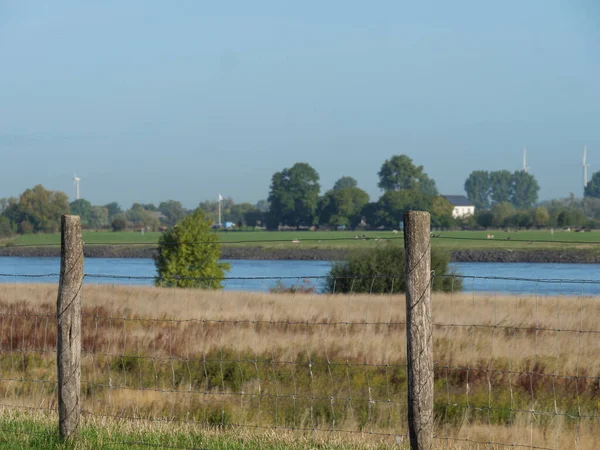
(68, 310)
(419, 344)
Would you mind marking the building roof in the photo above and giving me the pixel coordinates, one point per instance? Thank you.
(458, 200)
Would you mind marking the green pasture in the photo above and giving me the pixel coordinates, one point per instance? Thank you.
(452, 240)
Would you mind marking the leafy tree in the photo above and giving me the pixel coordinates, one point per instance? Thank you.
(340, 207)
(150, 207)
(427, 186)
(211, 209)
(368, 214)
(263, 206)
(501, 213)
(501, 186)
(173, 211)
(294, 196)
(591, 207)
(118, 223)
(593, 187)
(83, 209)
(525, 188)
(441, 212)
(381, 270)
(254, 217)
(399, 172)
(98, 217)
(485, 219)
(188, 255)
(38, 210)
(239, 212)
(393, 204)
(345, 183)
(139, 215)
(542, 217)
(6, 228)
(113, 209)
(477, 187)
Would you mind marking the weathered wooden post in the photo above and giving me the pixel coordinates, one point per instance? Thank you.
(419, 343)
(68, 309)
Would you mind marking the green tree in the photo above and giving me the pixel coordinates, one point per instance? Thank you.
(38, 210)
(525, 188)
(113, 209)
(263, 206)
(239, 212)
(138, 215)
(593, 187)
(542, 217)
(118, 223)
(188, 255)
(6, 227)
(83, 209)
(150, 207)
(369, 214)
(340, 207)
(501, 213)
(441, 212)
(591, 207)
(399, 172)
(393, 204)
(345, 183)
(501, 186)
(98, 217)
(173, 211)
(477, 187)
(211, 209)
(294, 196)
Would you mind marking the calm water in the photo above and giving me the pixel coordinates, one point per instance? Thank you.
(141, 271)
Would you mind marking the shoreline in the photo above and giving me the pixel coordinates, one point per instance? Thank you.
(322, 254)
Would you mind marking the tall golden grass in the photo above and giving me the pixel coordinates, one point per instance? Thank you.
(515, 370)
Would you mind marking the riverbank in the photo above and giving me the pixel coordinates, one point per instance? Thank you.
(572, 256)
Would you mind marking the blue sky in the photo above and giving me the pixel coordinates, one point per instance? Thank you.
(153, 100)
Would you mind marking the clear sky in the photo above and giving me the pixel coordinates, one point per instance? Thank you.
(153, 100)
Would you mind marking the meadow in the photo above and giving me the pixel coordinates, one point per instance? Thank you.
(451, 240)
(260, 370)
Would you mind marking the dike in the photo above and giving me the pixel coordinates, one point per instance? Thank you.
(316, 254)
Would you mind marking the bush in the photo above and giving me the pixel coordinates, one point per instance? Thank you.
(118, 224)
(188, 255)
(381, 270)
(6, 228)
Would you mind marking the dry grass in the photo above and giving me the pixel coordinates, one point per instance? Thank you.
(303, 361)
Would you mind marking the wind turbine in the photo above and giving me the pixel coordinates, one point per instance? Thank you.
(76, 181)
(525, 166)
(585, 167)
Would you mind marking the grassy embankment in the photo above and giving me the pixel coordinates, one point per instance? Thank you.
(220, 359)
(461, 240)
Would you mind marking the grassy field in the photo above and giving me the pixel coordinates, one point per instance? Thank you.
(341, 239)
(234, 361)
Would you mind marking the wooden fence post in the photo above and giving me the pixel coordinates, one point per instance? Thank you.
(419, 343)
(68, 309)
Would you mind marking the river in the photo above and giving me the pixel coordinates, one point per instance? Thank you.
(262, 275)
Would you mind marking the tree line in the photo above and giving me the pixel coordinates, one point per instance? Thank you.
(501, 198)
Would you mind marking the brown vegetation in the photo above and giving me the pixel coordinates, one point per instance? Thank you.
(310, 361)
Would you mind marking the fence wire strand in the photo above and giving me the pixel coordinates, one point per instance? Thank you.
(511, 370)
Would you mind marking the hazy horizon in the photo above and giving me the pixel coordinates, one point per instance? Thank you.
(149, 101)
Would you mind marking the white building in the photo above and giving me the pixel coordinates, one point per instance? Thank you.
(462, 206)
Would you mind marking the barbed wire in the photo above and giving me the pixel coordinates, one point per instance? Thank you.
(314, 370)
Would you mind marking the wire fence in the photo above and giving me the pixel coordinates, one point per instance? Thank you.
(513, 367)
(510, 370)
